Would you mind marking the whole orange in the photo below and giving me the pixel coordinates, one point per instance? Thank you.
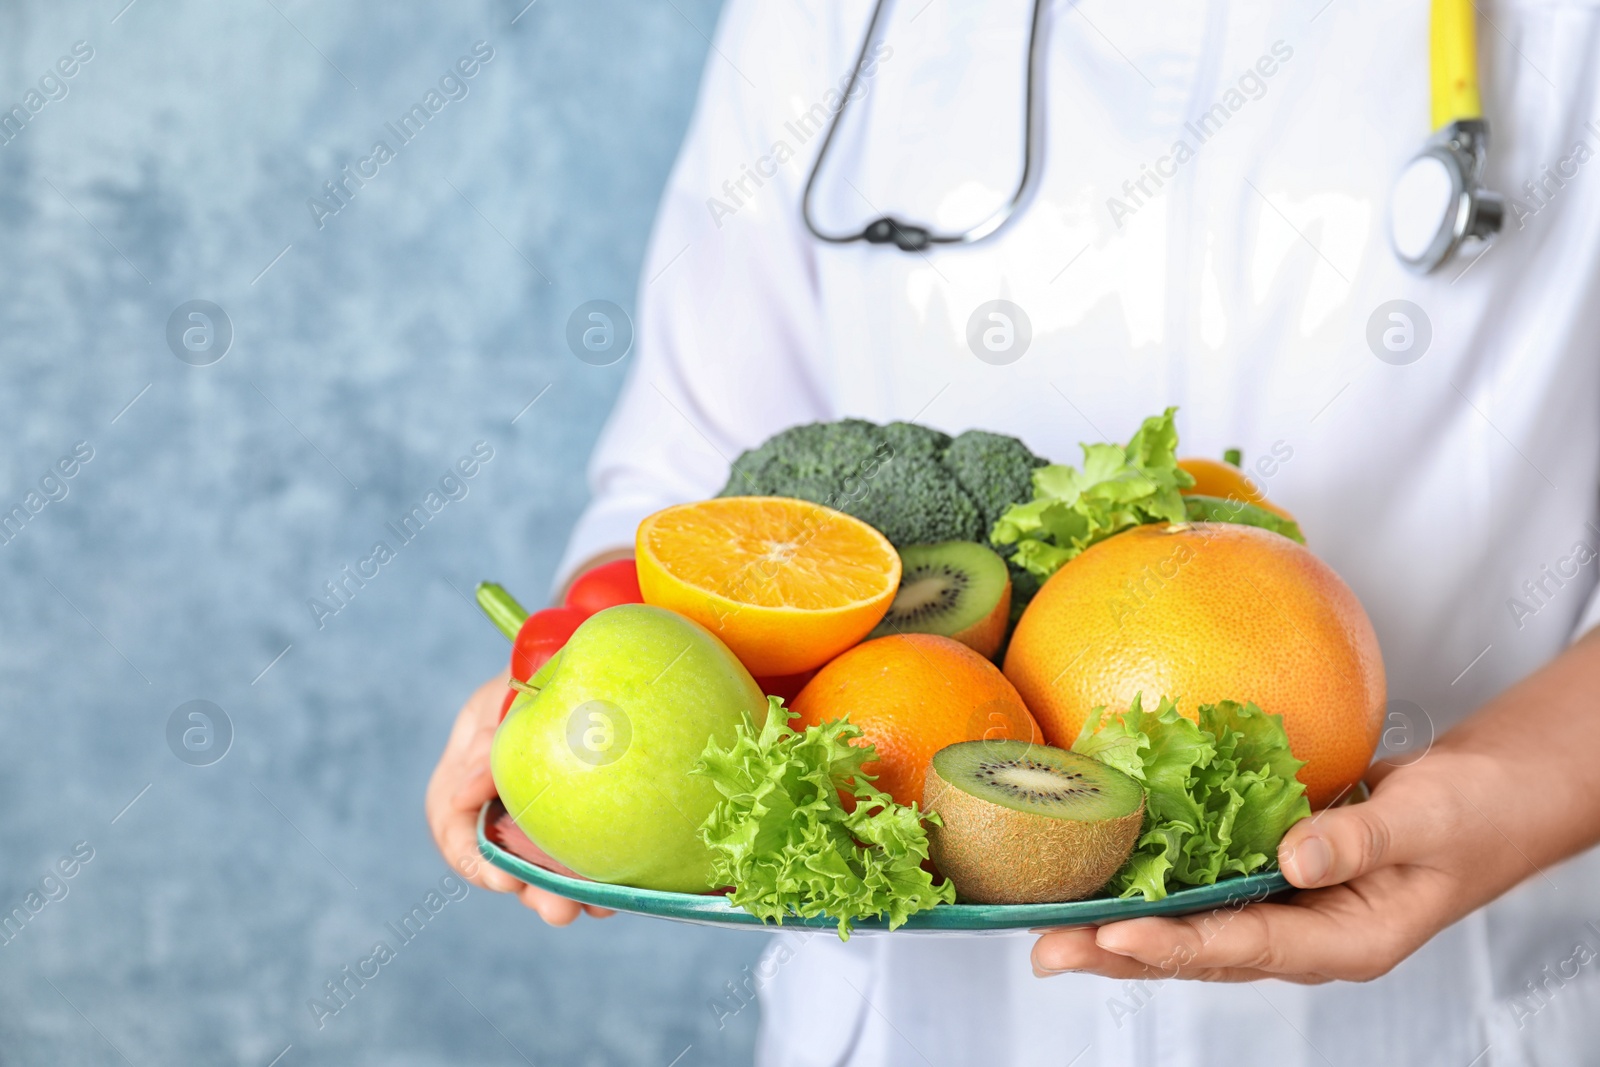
(1202, 612)
(911, 695)
(1213, 477)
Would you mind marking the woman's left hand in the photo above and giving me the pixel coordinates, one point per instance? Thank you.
(1377, 880)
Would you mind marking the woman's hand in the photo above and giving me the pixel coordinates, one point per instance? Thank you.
(1507, 793)
(460, 786)
(1378, 879)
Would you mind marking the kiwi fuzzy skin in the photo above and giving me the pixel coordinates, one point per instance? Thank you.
(998, 855)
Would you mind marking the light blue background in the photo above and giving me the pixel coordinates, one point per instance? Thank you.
(420, 319)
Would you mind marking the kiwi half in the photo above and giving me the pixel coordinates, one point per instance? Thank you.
(1027, 823)
(956, 589)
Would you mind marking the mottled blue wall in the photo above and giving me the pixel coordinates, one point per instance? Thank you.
(417, 320)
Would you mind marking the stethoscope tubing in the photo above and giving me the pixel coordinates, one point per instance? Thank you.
(912, 237)
(1459, 144)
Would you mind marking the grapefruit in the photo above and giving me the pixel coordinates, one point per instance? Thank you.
(911, 695)
(1203, 612)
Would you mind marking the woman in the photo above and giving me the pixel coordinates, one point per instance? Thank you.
(1208, 230)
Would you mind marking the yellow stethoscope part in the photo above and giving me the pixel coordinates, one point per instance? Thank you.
(1453, 62)
(1439, 200)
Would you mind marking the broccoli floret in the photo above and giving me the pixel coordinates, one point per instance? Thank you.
(911, 482)
(909, 439)
(819, 457)
(914, 501)
(995, 470)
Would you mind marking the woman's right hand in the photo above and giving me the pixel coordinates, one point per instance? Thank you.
(461, 785)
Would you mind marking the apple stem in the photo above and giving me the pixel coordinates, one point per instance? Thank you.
(501, 608)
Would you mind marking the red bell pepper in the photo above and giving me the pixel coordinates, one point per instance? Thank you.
(534, 638)
(537, 637)
(541, 637)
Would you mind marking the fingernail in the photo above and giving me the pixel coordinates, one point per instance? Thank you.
(1312, 859)
(1043, 971)
(1112, 941)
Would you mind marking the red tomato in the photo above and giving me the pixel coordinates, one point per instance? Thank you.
(505, 705)
(541, 637)
(605, 586)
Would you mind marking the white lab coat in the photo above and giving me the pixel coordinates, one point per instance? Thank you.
(1451, 492)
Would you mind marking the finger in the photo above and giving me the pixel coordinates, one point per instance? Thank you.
(597, 912)
(1383, 769)
(459, 843)
(475, 790)
(557, 911)
(460, 755)
(1064, 951)
(490, 877)
(1325, 934)
(457, 839)
(455, 832)
(1338, 844)
(494, 879)
(1070, 951)
(479, 713)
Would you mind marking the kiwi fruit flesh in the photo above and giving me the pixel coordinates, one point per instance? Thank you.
(956, 589)
(1028, 824)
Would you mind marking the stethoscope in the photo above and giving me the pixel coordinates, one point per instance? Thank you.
(1438, 204)
(1439, 201)
(909, 237)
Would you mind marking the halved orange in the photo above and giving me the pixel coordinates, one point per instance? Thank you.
(787, 584)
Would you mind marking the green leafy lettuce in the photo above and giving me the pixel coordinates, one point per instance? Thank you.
(1219, 794)
(1118, 487)
(782, 839)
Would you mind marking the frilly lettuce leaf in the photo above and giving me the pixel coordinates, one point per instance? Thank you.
(1118, 487)
(1219, 794)
(782, 839)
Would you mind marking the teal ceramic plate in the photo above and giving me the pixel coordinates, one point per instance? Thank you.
(500, 842)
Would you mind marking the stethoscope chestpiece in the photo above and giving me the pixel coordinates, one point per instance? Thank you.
(904, 236)
(1439, 200)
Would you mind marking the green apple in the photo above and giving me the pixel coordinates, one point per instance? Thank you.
(594, 767)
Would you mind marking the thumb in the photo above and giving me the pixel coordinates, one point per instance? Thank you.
(1338, 844)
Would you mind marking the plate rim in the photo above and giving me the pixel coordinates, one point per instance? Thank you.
(714, 909)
